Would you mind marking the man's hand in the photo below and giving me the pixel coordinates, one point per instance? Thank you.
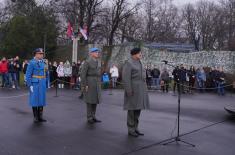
(31, 89)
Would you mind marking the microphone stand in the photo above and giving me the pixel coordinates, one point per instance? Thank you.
(177, 138)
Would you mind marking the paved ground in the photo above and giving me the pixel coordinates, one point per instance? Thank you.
(67, 133)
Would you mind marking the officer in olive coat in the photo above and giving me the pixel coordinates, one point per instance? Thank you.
(136, 96)
(91, 83)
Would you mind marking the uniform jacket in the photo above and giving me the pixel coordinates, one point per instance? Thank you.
(91, 77)
(36, 76)
(134, 79)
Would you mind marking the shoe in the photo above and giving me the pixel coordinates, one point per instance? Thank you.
(40, 114)
(133, 134)
(96, 120)
(35, 120)
(139, 133)
(42, 120)
(35, 115)
(90, 121)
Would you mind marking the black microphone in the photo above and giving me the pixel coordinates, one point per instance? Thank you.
(165, 61)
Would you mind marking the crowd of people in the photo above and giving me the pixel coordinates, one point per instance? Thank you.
(10, 72)
(188, 79)
(68, 75)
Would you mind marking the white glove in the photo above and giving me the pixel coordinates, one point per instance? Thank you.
(31, 89)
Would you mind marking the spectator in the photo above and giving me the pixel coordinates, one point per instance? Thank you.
(191, 75)
(201, 79)
(156, 77)
(4, 72)
(67, 73)
(213, 75)
(105, 80)
(60, 73)
(165, 77)
(18, 68)
(148, 76)
(12, 69)
(221, 82)
(114, 75)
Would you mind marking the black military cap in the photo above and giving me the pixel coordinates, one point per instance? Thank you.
(135, 51)
(38, 50)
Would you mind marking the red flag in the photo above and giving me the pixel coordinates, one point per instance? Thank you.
(69, 30)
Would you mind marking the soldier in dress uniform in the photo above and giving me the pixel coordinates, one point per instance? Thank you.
(91, 83)
(136, 96)
(36, 78)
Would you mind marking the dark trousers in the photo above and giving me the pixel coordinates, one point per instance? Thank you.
(13, 79)
(5, 80)
(191, 84)
(165, 86)
(18, 77)
(37, 112)
(176, 84)
(133, 120)
(183, 86)
(91, 110)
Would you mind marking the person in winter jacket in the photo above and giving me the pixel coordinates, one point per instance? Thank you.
(114, 75)
(60, 73)
(201, 79)
(165, 77)
(4, 72)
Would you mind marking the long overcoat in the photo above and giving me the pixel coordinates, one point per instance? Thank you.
(37, 77)
(134, 80)
(91, 77)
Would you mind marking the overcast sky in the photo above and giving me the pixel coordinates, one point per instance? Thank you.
(177, 2)
(182, 2)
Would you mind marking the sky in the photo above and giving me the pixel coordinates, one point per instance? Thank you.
(182, 2)
(177, 2)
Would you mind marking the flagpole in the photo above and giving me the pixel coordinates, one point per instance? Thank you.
(75, 37)
(75, 49)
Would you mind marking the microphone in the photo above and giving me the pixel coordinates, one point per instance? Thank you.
(165, 61)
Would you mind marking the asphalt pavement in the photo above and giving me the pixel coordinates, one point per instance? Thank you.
(203, 122)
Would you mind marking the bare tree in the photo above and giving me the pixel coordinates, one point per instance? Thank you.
(131, 28)
(229, 12)
(191, 25)
(149, 7)
(162, 22)
(114, 16)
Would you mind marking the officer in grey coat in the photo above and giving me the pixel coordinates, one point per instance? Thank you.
(91, 83)
(136, 96)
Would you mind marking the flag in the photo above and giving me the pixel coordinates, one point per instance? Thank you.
(84, 32)
(69, 30)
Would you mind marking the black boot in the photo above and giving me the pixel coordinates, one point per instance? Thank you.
(40, 113)
(35, 114)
